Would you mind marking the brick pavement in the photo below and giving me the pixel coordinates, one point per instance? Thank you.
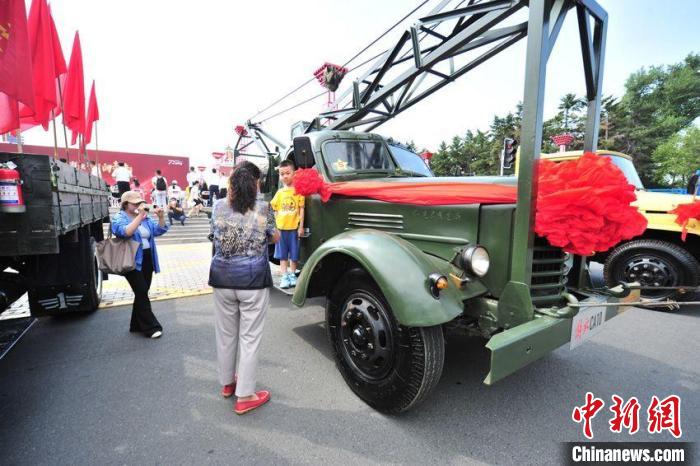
(185, 272)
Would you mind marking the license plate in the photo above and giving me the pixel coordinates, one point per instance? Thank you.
(588, 322)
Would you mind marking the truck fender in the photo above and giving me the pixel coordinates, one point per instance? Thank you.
(398, 267)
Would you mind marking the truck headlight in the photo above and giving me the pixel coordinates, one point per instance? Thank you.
(475, 260)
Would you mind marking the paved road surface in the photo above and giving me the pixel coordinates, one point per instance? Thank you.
(85, 391)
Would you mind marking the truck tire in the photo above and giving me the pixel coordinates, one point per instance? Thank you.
(69, 282)
(390, 367)
(95, 281)
(653, 263)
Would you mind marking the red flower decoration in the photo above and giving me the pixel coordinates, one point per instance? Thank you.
(684, 212)
(583, 205)
(308, 181)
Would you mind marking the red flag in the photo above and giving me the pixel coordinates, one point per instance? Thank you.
(93, 114)
(41, 40)
(15, 64)
(59, 60)
(74, 94)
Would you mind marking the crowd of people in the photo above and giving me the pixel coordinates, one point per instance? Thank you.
(202, 189)
(243, 224)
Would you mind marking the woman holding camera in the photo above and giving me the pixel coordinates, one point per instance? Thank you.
(133, 222)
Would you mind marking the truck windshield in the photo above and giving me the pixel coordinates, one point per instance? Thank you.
(349, 157)
(409, 162)
(628, 169)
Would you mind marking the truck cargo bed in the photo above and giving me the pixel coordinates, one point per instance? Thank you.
(56, 205)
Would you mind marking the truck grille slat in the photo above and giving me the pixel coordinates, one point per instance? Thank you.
(548, 280)
(372, 220)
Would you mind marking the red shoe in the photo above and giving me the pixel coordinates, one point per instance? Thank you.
(243, 407)
(229, 389)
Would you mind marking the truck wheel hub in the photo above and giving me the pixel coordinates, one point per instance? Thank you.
(366, 336)
(650, 271)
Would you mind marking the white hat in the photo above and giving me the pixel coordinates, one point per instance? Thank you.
(174, 181)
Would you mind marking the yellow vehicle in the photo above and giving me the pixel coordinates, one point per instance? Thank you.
(658, 258)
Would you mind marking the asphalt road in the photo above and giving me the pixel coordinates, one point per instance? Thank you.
(85, 391)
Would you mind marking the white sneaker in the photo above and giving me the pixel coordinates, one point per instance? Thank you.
(157, 334)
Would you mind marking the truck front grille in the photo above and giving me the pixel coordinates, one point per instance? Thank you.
(548, 274)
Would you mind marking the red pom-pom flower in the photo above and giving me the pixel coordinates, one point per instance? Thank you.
(308, 181)
(583, 205)
(684, 213)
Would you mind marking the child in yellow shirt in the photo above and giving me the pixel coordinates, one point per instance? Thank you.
(289, 216)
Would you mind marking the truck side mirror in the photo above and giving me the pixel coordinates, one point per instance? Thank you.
(303, 153)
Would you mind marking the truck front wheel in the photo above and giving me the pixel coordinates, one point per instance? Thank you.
(653, 263)
(391, 367)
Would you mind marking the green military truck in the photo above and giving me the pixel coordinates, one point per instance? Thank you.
(48, 248)
(395, 276)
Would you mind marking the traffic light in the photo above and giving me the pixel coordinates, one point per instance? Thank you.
(510, 146)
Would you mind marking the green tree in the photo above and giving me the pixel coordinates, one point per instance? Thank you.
(658, 102)
(608, 123)
(448, 160)
(411, 145)
(568, 105)
(677, 158)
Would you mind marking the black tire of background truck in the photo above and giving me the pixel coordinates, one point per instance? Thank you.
(674, 267)
(85, 259)
(414, 357)
(95, 293)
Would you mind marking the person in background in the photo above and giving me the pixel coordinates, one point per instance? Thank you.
(137, 187)
(175, 211)
(94, 169)
(693, 182)
(223, 183)
(242, 225)
(204, 193)
(133, 222)
(212, 180)
(192, 176)
(186, 198)
(122, 176)
(289, 210)
(160, 189)
(174, 191)
(195, 200)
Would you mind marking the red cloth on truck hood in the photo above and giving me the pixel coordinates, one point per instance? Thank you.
(427, 193)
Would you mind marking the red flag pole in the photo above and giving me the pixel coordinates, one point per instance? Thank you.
(97, 154)
(63, 112)
(55, 137)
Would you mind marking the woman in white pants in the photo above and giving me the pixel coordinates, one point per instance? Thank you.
(240, 275)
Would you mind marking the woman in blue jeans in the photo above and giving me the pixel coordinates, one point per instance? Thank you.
(133, 222)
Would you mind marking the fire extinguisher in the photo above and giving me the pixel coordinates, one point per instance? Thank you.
(11, 199)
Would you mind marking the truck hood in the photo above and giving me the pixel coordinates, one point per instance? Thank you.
(660, 202)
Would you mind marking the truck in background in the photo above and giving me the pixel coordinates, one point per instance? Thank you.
(658, 259)
(47, 248)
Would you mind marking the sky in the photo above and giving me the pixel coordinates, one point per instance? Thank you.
(175, 77)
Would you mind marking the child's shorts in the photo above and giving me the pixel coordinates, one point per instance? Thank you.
(287, 248)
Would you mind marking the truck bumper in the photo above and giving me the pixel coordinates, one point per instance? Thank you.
(517, 347)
